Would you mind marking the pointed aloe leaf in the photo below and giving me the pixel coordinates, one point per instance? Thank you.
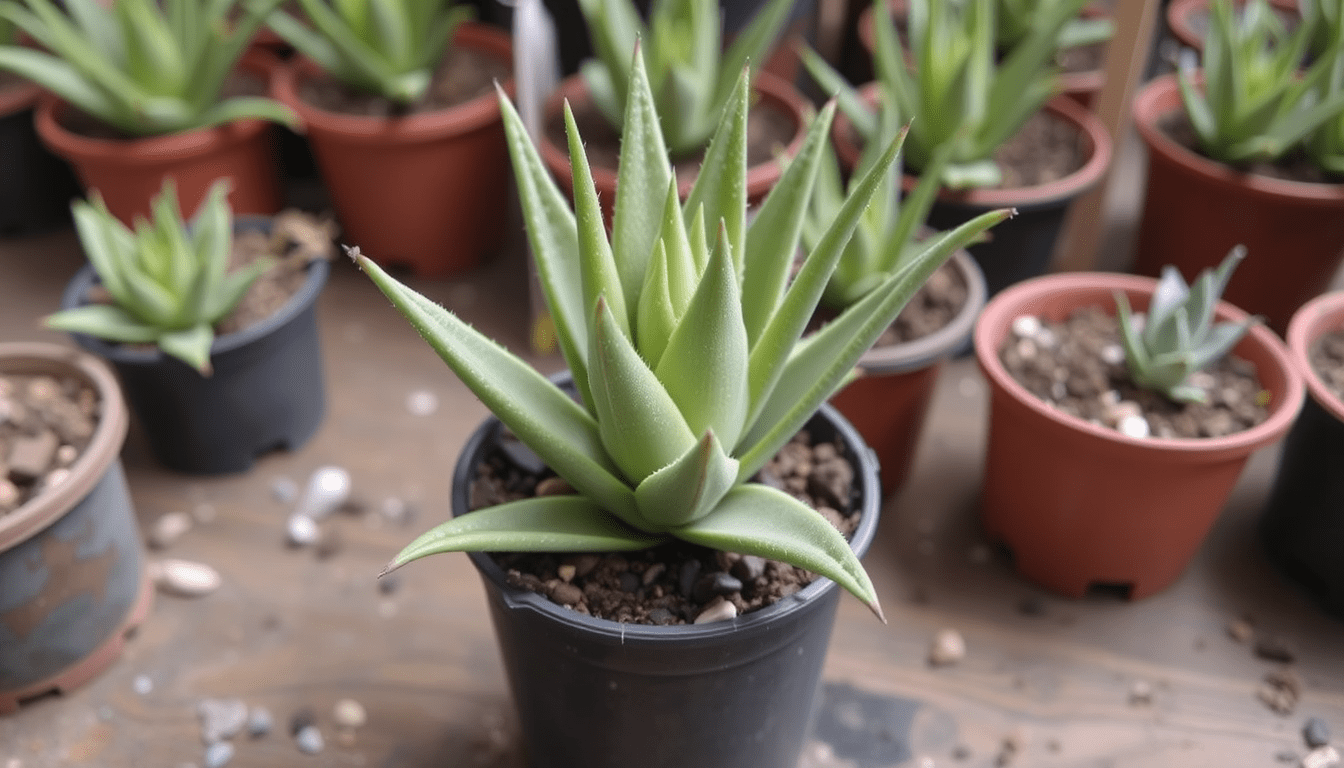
(640, 425)
(597, 264)
(772, 238)
(1220, 340)
(247, 108)
(1136, 355)
(553, 235)
(104, 321)
(657, 316)
(688, 488)
(759, 520)
(190, 345)
(833, 84)
(1167, 298)
(232, 289)
(683, 269)
(212, 239)
(541, 524)
(559, 430)
(643, 171)
(704, 367)
(106, 242)
(721, 186)
(602, 90)
(61, 79)
(699, 241)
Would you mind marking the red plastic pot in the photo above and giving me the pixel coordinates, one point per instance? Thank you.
(428, 191)
(1196, 209)
(1080, 504)
(129, 172)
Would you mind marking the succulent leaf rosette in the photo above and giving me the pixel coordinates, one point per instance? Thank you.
(685, 337)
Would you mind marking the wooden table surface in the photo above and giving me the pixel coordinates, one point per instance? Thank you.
(290, 631)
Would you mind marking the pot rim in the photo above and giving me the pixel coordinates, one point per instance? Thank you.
(471, 115)
(1160, 97)
(1179, 13)
(317, 273)
(18, 97)
(1310, 322)
(925, 351)
(865, 464)
(104, 446)
(1022, 298)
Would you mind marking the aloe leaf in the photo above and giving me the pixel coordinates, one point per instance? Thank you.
(683, 267)
(704, 367)
(847, 98)
(231, 290)
(688, 488)
(1198, 111)
(721, 186)
(95, 21)
(643, 171)
(104, 240)
(59, 77)
(614, 28)
(640, 425)
(597, 265)
(541, 524)
(559, 430)
(190, 345)
(212, 238)
(915, 209)
(105, 321)
(1136, 354)
(657, 316)
(392, 30)
(1219, 341)
(1168, 296)
(750, 46)
(309, 41)
(758, 520)
(602, 89)
(247, 108)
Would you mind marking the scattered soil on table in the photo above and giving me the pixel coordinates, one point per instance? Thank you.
(675, 582)
(1327, 359)
(46, 423)
(769, 129)
(463, 74)
(1078, 367)
(1294, 166)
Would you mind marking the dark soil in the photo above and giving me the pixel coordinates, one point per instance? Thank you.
(46, 423)
(1046, 149)
(1327, 359)
(676, 582)
(462, 75)
(768, 130)
(1078, 367)
(1295, 166)
(931, 308)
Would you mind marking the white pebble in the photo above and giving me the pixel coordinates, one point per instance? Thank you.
(66, 455)
(218, 754)
(302, 531)
(422, 402)
(55, 477)
(720, 611)
(1046, 338)
(259, 722)
(1321, 757)
(1202, 379)
(309, 740)
(349, 713)
(142, 684)
(1112, 354)
(1134, 426)
(1140, 692)
(948, 647)
(169, 528)
(221, 719)
(395, 509)
(327, 490)
(184, 578)
(1026, 326)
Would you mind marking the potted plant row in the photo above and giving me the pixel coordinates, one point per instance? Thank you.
(690, 374)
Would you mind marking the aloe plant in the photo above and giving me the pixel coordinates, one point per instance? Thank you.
(690, 72)
(141, 66)
(1325, 144)
(684, 335)
(168, 281)
(385, 47)
(1254, 103)
(1177, 336)
(1016, 18)
(953, 92)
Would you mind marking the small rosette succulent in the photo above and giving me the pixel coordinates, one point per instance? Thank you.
(1177, 336)
(169, 283)
(684, 335)
(1017, 17)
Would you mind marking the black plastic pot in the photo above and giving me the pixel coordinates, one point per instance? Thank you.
(35, 186)
(266, 391)
(728, 694)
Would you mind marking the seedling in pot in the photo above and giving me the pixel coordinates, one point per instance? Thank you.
(685, 338)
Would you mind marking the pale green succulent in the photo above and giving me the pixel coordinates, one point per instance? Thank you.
(1255, 104)
(1177, 336)
(168, 280)
(690, 72)
(952, 91)
(385, 47)
(1016, 18)
(1325, 144)
(684, 335)
(141, 66)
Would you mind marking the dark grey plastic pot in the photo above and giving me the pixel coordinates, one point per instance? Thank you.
(266, 391)
(729, 694)
(35, 186)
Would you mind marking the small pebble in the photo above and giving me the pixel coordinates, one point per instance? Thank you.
(690, 572)
(346, 738)
(749, 568)
(349, 713)
(1321, 757)
(396, 510)
(221, 719)
(661, 616)
(1140, 693)
(260, 722)
(302, 531)
(1286, 756)
(1316, 733)
(719, 611)
(1112, 354)
(66, 455)
(389, 583)
(309, 740)
(1241, 630)
(300, 720)
(554, 486)
(169, 528)
(650, 575)
(1026, 326)
(142, 684)
(714, 584)
(565, 593)
(422, 402)
(948, 647)
(1134, 426)
(55, 477)
(1275, 649)
(284, 490)
(184, 578)
(629, 582)
(218, 754)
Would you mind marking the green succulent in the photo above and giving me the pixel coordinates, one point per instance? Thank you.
(953, 92)
(1326, 19)
(1016, 18)
(1177, 337)
(141, 66)
(1255, 104)
(690, 72)
(386, 47)
(684, 335)
(168, 281)
(1325, 144)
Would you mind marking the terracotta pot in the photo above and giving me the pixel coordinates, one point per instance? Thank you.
(761, 178)
(1188, 20)
(428, 191)
(129, 172)
(72, 575)
(1302, 528)
(35, 186)
(1080, 504)
(1022, 246)
(1195, 210)
(889, 402)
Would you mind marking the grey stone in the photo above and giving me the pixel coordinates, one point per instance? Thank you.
(169, 528)
(218, 754)
(1316, 732)
(749, 568)
(309, 740)
(260, 722)
(715, 584)
(718, 611)
(221, 719)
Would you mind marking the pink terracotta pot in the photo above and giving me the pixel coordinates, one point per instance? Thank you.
(1196, 209)
(1081, 504)
(1188, 19)
(428, 191)
(129, 172)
